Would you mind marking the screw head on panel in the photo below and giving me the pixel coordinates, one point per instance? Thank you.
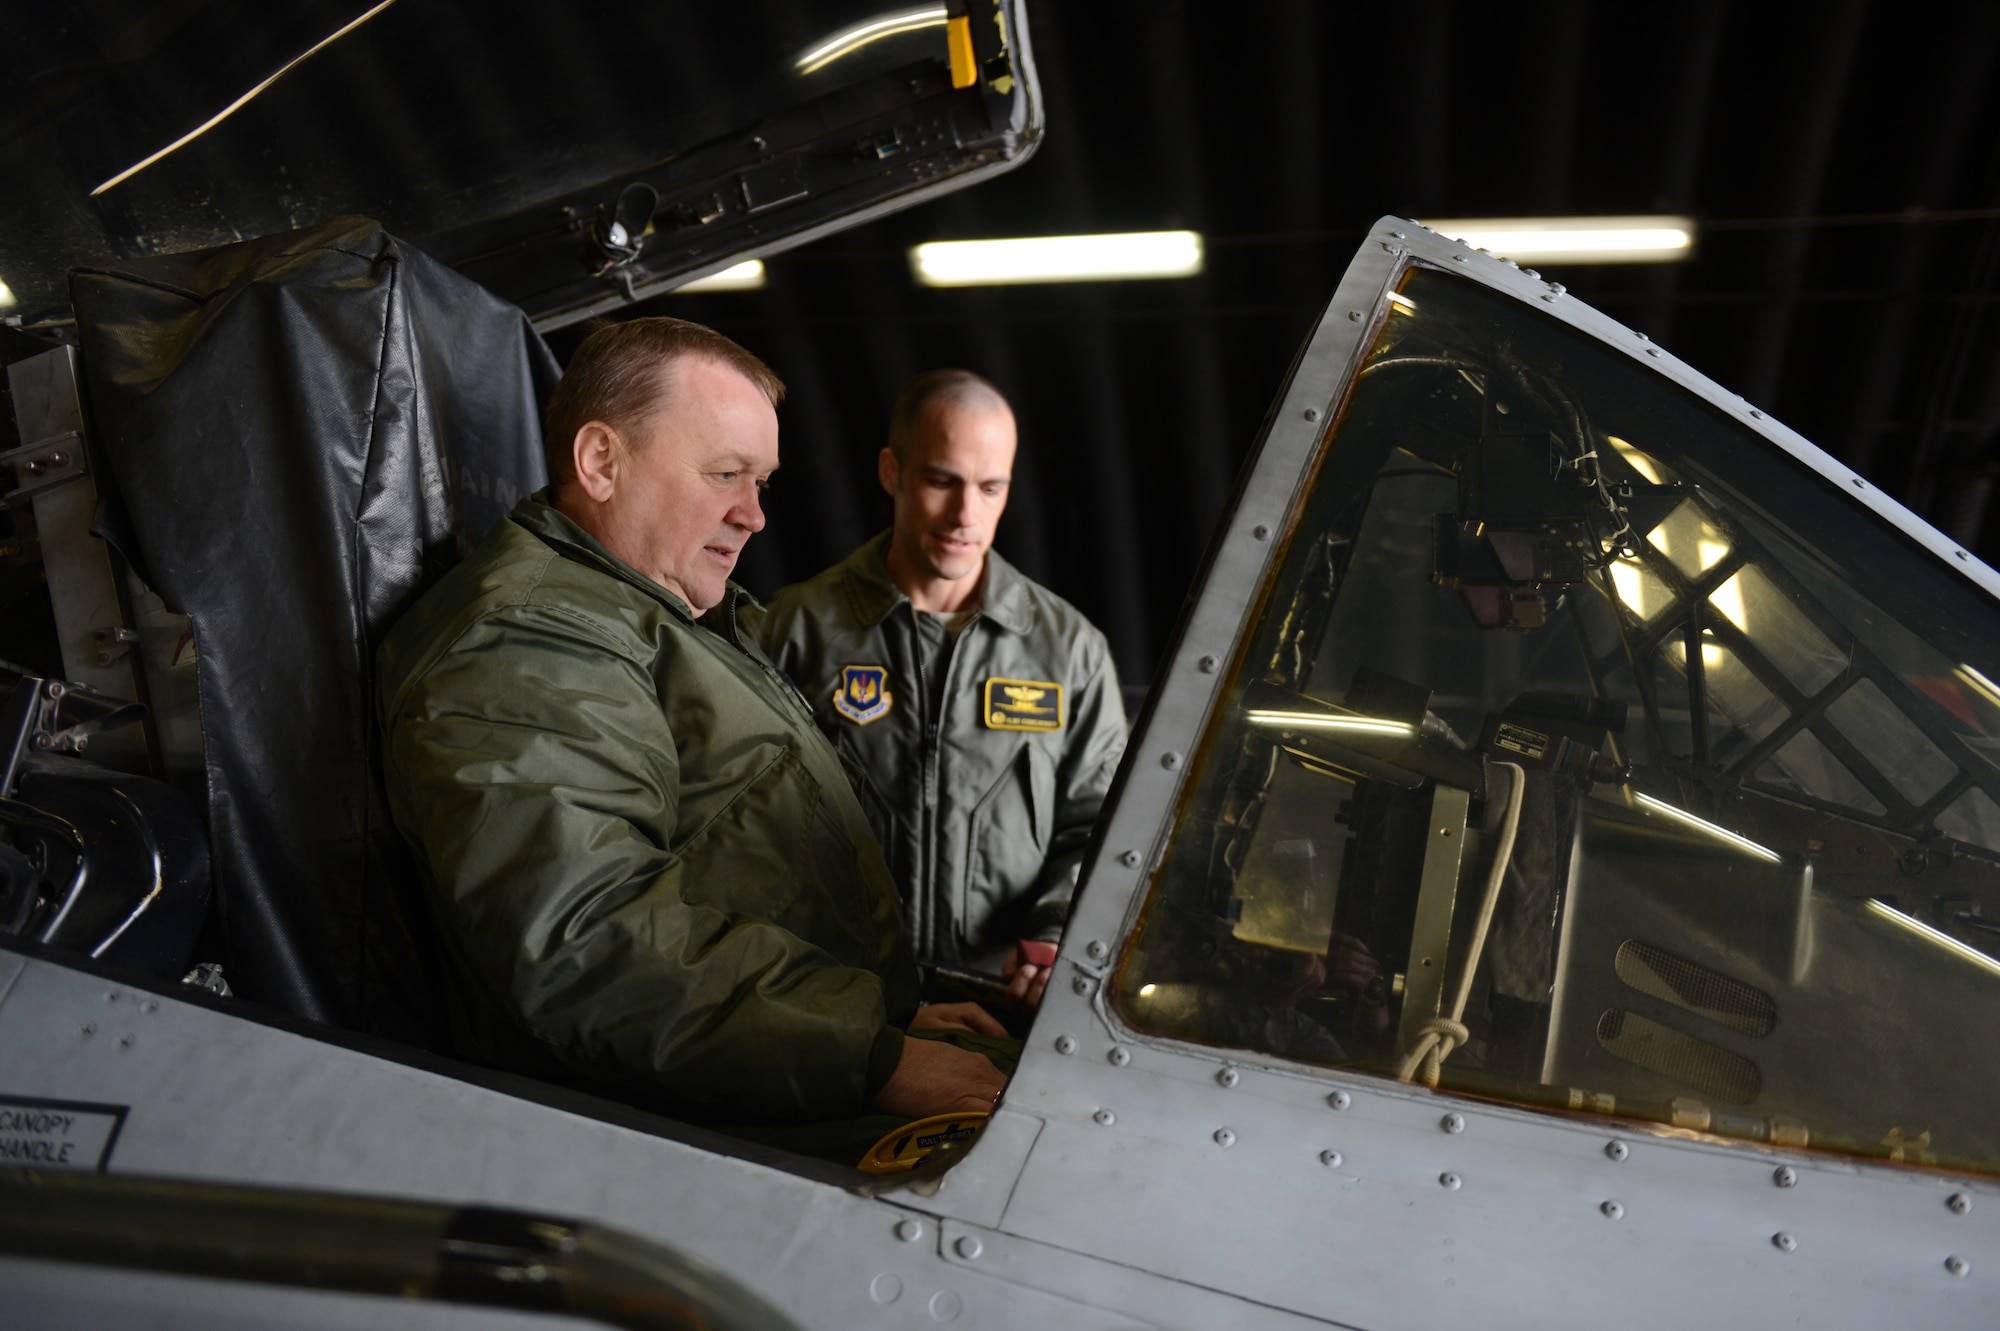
(1097, 950)
(1224, 1137)
(1784, 1242)
(1081, 984)
(1261, 532)
(1617, 1150)
(1227, 1077)
(1340, 1099)
(1104, 1118)
(1959, 1203)
(968, 1247)
(1130, 859)
(1452, 1123)
(1312, 413)
(1330, 1158)
(1208, 665)
(1450, 1181)
(1785, 1176)
(1170, 760)
(1065, 1044)
(909, 1231)
(1613, 1210)
(1119, 1056)
(1957, 1265)
(1354, 315)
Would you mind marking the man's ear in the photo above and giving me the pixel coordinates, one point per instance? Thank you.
(887, 471)
(595, 453)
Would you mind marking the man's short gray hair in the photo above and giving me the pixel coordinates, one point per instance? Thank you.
(959, 389)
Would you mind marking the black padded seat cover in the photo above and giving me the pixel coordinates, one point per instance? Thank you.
(304, 431)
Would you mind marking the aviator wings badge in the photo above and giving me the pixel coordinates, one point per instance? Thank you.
(1023, 704)
(863, 695)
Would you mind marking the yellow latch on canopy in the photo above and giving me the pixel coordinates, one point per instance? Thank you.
(964, 66)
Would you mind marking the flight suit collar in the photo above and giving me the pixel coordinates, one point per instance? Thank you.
(557, 529)
(873, 593)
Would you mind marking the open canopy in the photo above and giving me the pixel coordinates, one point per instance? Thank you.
(568, 158)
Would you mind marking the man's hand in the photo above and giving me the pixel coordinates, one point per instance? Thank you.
(1027, 972)
(956, 1017)
(933, 1077)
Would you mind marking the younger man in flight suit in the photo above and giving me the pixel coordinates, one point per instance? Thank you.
(981, 710)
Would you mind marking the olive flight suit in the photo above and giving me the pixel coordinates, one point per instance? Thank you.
(651, 872)
(983, 754)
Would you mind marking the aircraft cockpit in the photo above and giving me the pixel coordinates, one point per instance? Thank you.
(1587, 753)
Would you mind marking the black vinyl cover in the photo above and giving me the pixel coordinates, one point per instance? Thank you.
(301, 433)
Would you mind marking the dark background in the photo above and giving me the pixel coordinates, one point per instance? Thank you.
(1843, 159)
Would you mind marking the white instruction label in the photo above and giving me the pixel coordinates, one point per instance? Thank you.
(57, 1134)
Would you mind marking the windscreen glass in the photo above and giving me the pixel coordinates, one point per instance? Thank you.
(136, 129)
(1590, 752)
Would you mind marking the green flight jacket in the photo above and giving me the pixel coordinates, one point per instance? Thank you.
(652, 875)
(984, 810)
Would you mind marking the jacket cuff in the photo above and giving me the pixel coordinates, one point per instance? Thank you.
(883, 1057)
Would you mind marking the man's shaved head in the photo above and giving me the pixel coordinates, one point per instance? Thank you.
(954, 390)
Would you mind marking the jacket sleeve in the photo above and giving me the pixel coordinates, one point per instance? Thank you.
(534, 770)
(1095, 741)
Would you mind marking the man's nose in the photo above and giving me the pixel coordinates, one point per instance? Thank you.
(965, 507)
(749, 512)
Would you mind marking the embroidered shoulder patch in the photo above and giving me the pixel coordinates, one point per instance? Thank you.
(1023, 704)
(863, 695)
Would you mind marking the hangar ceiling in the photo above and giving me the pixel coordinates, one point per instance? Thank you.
(1842, 159)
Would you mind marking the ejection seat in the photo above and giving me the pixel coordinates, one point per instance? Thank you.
(298, 435)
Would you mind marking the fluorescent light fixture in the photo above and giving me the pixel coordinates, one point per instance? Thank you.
(745, 276)
(1937, 936)
(1403, 303)
(1660, 239)
(242, 101)
(1722, 834)
(1367, 725)
(1985, 687)
(6, 296)
(978, 263)
(872, 29)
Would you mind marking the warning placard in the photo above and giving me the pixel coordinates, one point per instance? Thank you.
(57, 1134)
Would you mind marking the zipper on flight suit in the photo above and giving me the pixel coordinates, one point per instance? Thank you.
(920, 902)
(924, 908)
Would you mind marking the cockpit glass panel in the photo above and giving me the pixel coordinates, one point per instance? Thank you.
(137, 129)
(1587, 750)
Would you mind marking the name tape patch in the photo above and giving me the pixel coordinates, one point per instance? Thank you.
(58, 1134)
(863, 695)
(1023, 704)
